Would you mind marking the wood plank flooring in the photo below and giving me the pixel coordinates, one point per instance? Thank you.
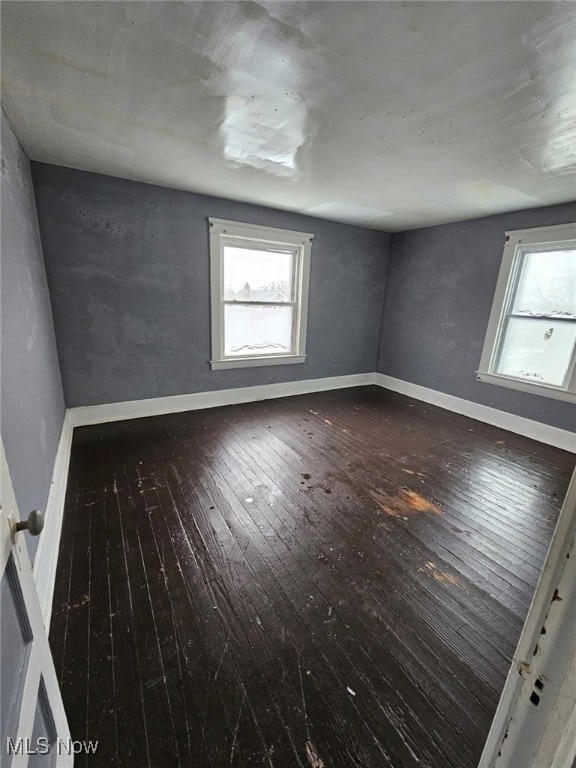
(325, 581)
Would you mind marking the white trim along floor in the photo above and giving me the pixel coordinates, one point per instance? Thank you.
(47, 555)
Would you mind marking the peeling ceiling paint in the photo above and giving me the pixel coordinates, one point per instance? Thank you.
(389, 115)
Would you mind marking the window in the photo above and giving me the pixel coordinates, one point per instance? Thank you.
(531, 339)
(259, 290)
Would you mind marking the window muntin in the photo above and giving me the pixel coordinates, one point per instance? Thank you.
(537, 350)
(259, 301)
(531, 339)
(538, 331)
(259, 294)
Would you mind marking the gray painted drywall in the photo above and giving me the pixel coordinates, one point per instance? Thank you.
(440, 285)
(32, 402)
(128, 270)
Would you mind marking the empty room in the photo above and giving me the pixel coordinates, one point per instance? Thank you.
(288, 384)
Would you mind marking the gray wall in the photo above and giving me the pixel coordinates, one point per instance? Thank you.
(440, 286)
(32, 403)
(128, 271)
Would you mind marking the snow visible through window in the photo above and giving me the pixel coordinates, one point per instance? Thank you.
(259, 301)
(539, 334)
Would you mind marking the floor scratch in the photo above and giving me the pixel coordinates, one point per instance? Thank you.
(233, 749)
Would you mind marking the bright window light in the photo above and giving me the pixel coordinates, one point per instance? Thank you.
(531, 339)
(260, 279)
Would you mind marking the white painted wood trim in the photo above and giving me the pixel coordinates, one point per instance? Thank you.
(47, 554)
(46, 557)
(537, 235)
(260, 232)
(560, 438)
(511, 265)
(134, 409)
(523, 734)
(502, 296)
(254, 362)
(223, 232)
(40, 662)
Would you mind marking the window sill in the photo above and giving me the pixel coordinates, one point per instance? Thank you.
(253, 362)
(527, 386)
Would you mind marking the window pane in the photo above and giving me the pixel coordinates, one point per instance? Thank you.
(537, 350)
(255, 275)
(257, 330)
(547, 284)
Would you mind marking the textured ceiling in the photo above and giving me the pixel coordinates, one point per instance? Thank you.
(388, 115)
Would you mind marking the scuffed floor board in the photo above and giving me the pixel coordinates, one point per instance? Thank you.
(332, 579)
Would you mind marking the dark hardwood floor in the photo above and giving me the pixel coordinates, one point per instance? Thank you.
(336, 579)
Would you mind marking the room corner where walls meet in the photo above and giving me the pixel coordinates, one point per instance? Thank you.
(128, 269)
(32, 402)
(439, 291)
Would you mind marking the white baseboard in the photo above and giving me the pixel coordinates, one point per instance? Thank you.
(560, 438)
(134, 409)
(47, 553)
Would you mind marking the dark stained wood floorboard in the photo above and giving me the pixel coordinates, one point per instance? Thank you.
(407, 577)
(336, 579)
(322, 595)
(406, 580)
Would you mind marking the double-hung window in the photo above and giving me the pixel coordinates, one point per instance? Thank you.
(530, 343)
(259, 294)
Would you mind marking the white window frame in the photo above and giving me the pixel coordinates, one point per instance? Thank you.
(224, 232)
(516, 242)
